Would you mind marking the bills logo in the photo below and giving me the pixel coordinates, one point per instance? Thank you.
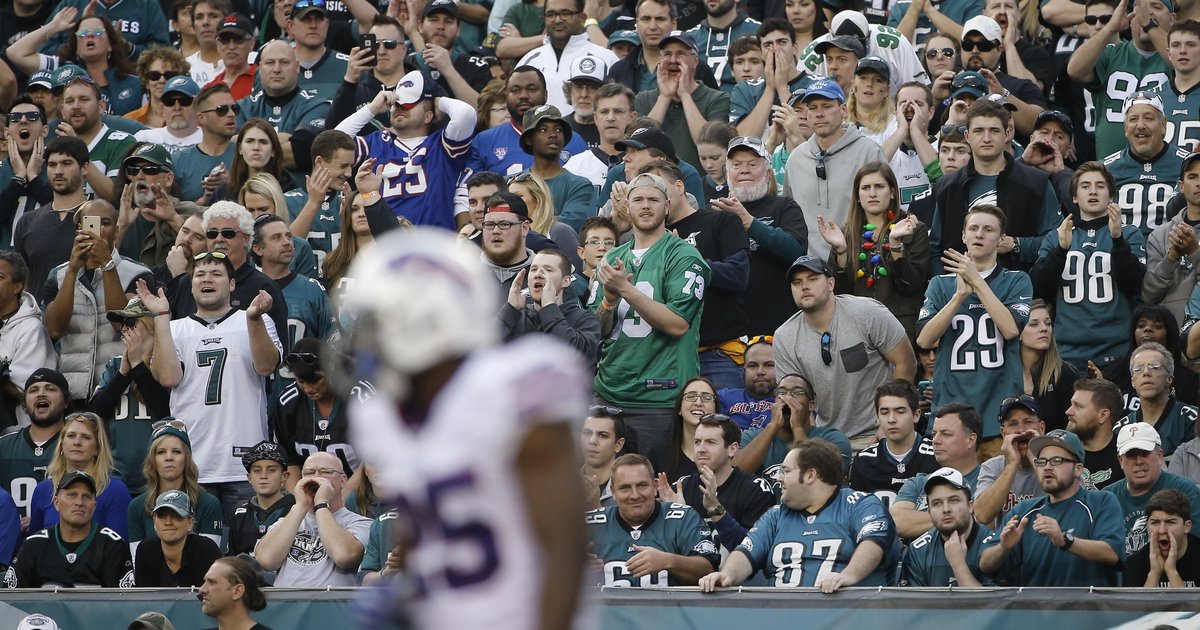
(407, 84)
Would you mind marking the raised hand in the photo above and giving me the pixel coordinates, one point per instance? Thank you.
(515, 298)
(1012, 532)
(1064, 232)
(155, 303)
(367, 178)
(260, 305)
(832, 234)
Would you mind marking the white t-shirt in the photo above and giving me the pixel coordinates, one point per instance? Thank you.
(309, 565)
(174, 144)
(203, 72)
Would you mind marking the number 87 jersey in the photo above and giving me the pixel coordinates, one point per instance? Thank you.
(419, 178)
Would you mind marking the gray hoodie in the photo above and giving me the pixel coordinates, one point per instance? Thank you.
(506, 275)
(829, 197)
(25, 344)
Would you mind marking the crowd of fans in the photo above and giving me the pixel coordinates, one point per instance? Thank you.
(921, 276)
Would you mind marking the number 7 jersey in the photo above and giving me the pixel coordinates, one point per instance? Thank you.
(419, 178)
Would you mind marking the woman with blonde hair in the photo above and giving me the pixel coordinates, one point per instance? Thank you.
(155, 67)
(261, 195)
(870, 104)
(532, 189)
(169, 466)
(82, 445)
(1048, 378)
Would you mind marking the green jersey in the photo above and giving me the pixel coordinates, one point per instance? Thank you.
(1175, 427)
(1121, 71)
(323, 77)
(1145, 187)
(925, 562)
(326, 230)
(714, 46)
(287, 113)
(23, 465)
(1133, 508)
(673, 528)
(778, 449)
(1183, 115)
(129, 429)
(379, 541)
(192, 165)
(108, 148)
(641, 366)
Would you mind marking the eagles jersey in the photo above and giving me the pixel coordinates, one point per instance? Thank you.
(286, 114)
(129, 429)
(221, 397)
(875, 470)
(778, 449)
(301, 430)
(883, 41)
(745, 95)
(499, 150)
(325, 76)
(714, 46)
(420, 176)
(925, 562)
(797, 548)
(454, 480)
(1183, 115)
(1175, 427)
(23, 465)
(325, 231)
(1092, 309)
(309, 311)
(673, 528)
(958, 10)
(380, 541)
(641, 366)
(1121, 71)
(251, 522)
(1133, 507)
(100, 560)
(107, 150)
(1144, 188)
(974, 361)
(192, 165)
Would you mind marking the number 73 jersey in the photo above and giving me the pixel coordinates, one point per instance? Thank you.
(419, 177)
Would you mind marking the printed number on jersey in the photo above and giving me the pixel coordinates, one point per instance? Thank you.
(788, 560)
(1188, 137)
(1145, 205)
(215, 361)
(460, 549)
(405, 179)
(977, 344)
(1087, 277)
(1122, 85)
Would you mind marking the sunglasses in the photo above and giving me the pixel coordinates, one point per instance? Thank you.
(297, 358)
(155, 75)
(605, 411)
(133, 170)
(213, 255)
(85, 33)
(223, 110)
(984, 45)
(158, 427)
(172, 101)
(949, 129)
(523, 176)
(715, 418)
(944, 52)
(750, 140)
(19, 116)
(826, 339)
(304, 4)
(229, 38)
(227, 233)
(767, 339)
(821, 172)
(1092, 20)
(390, 44)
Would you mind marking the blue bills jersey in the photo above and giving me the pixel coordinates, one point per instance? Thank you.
(419, 180)
(499, 150)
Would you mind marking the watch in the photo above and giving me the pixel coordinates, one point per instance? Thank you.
(319, 506)
(1068, 540)
(1016, 248)
(717, 511)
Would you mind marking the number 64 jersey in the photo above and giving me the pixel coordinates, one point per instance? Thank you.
(472, 552)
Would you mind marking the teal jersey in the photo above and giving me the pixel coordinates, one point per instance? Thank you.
(304, 262)
(1144, 188)
(1121, 71)
(1176, 426)
(325, 232)
(209, 519)
(640, 366)
(304, 108)
(1133, 508)
(574, 199)
(309, 311)
(974, 361)
(714, 46)
(958, 10)
(925, 562)
(746, 94)
(380, 542)
(108, 148)
(779, 448)
(129, 429)
(1183, 115)
(192, 165)
(1036, 561)
(913, 490)
(673, 527)
(23, 465)
(1092, 311)
(795, 548)
(325, 76)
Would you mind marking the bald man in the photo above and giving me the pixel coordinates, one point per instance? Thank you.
(278, 98)
(320, 542)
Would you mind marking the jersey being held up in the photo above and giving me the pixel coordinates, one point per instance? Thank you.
(876, 470)
(1145, 187)
(100, 560)
(796, 548)
(673, 528)
(450, 474)
(419, 174)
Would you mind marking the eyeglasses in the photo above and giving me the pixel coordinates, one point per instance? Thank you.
(85, 33)
(223, 110)
(605, 411)
(523, 176)
(767, 339)
(694, 396)
(503, 226)
(14, 117)
(821, 172)
(324, 472)
(1091, 20)
(794, 392)
(214, 255)
(982, 45)
(597, 242)
(307, 358)
(826, 339)
(949, 129)
(133, 170)
(560, 15)
(227, 233)
(715, 419)
(155, 75)
(162, 425)
(944, 52)
(1053, 461)
(1149, 367)
(173, 100)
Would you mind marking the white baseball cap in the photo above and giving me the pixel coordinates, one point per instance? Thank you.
(985, 26)
(948, 475)
(1138, 435)
(37, 621)
(590, 68)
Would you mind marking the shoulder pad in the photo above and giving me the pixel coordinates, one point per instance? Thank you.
(1114, 157)
(390, 515)
(111, 534)
(871, 450)
(695, 29)
(241, 510)
(342, 56)
(925, 447)
(679, 506)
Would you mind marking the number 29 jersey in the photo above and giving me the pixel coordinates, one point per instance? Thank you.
(419, 180)
(474, 556)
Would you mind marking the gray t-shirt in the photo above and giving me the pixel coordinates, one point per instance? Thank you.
(307, 563)
(862, 331)
(1025, 485)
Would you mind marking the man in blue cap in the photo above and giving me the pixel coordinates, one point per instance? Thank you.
(181, 129)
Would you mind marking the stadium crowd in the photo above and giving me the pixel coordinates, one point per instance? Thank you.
(899, 293)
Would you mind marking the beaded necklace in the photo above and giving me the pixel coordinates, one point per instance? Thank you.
(870, 260)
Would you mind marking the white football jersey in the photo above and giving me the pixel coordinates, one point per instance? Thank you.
(476, 558)
(221, 398)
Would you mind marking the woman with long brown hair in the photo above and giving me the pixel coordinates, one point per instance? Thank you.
(258, 151)
(1048, 378)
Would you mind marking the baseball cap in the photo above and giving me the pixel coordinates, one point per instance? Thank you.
(73, 477)
(66, 73)
(171, 426)
(797, 96)
(37, 621)
(448, 6)
(628, 35)
(946, 475)
(1012, 402)
(850, 22)
(876, 65)
(412, 89)
(49, 375)
(588, 68)
(753, 143)
(1143, 98)
(1139, 435)
(683, 37)
(646, 138)
(182, 84)
(651, 180)
(151, 621)
(844, 42)
(1051, 115)
(539, 115)
(41, 78)
(175, 500)
(302, 7)
(814, 264)
(968, 82)
(152, 153)
(824, 88)
(985, 26)
(1060, 438)
(264, 450)
(505, 201)
(1187, 161)
(237, 23)
(133, 310)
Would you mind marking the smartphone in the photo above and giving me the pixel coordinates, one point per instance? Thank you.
(91, 224)
(369, 41)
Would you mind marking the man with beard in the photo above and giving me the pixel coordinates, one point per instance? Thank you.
(775, 226)
(586, 79)
(181, 129)
(45, 236)
(505, 231)
(235, 40)
(1147, 169)
(981, 50)
(281, 101)
(437, 53)
(149, 217)
(763, 449)
(82, 105)
(499, 149)
(1152, 373)
(680, 103)
(883, 467)
(948, 554)
(25, 454)
(546, 311)
(1094, 409)
(320, 68)
(190, 240)
(315, 210)
(204, 167)
(750, 406)
(1140, 450)
(546, 133)
(1009, 478)
(23, 184)
(420, 165)
(1172, 559)
(566, 42)
(1070, 537)
(362, 81)
(724, 24)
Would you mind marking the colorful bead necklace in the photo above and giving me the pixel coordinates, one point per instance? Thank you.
(869, 255)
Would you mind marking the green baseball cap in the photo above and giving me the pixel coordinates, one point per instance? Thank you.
(67, 73)
(539, 115)
(152, 153)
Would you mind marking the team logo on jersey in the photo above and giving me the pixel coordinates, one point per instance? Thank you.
(564, 155)
(635, 534)
(811, 518)
(900, 468)
(10, 578)
(1022, 309)
(706, 547)
(747, 543)
(71, 558)
(500, 152)
(307, 549)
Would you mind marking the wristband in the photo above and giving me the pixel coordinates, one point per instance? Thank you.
(605, 305)
(591, 22)
(317, 507)
(20, 181)
(369, 198)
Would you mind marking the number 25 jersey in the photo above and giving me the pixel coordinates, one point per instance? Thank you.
(419, 178)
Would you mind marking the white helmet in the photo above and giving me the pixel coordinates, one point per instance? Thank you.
(417, 300)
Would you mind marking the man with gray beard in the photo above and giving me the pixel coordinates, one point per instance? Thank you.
(775, 226)
(149, 216)
(181, 129)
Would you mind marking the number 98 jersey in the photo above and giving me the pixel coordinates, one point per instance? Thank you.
(1144, 188)
(419, 178)
(453, 476)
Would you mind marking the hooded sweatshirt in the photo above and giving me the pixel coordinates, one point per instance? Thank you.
(25, 347)
(506, 275)
(828, 197)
